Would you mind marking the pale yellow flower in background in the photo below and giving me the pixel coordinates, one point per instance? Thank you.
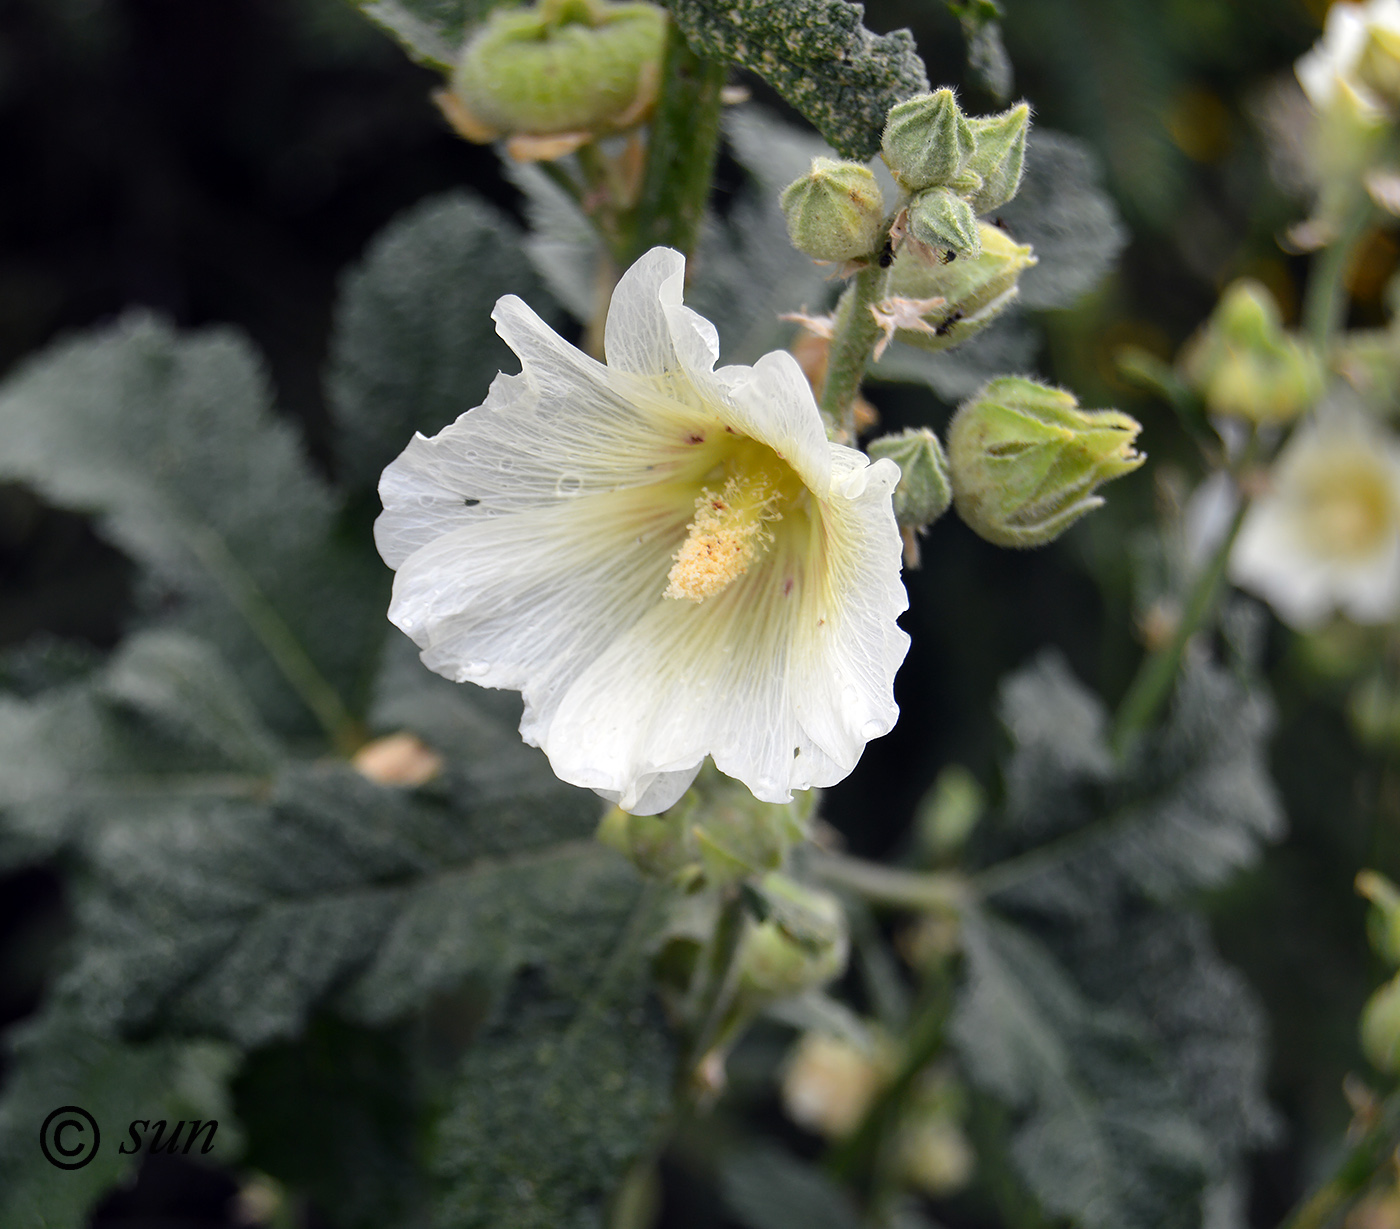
(829, 1084)
(1325, 537)
(669, 561)
(1357, 60)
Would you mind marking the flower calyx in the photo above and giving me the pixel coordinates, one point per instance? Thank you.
(799, 941)
(1026, 461)
(1244, 364)
(557, 75)
(835, 212)
(925, 491)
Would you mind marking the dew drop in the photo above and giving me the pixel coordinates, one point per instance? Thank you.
(872, 729)
(568, 485)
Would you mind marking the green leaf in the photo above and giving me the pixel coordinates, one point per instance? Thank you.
(163, 727)
(768, 1188)
(414, 344)
(986, 55)
(1100, 1137)
(172, 442)
(818, 56)
(57, 1061)
(431, 31)
(562, 1094)
(239, 918)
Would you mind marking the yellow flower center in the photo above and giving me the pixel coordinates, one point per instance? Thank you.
(1349, 509)
(730, 529)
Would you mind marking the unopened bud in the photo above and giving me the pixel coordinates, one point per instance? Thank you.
(927, 140)
(1245, 365)
(564, 66)
(1380, 1027)
(1026, 460)
(935, 1157)
(1378, 67)
(939, 218)
(974, 291)
(1383, 917)
(1000, 156)
(834, 212)
(947, 814)
(924, 492)
(828, 1084)
(800, 945)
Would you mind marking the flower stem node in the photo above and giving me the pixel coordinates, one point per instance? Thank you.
(1244, 365)
(1026, 461)
(939, 218)
(586, 67)
(927, 140)
(835, 211)
(971, 293)
(1000, 157)
(717, 834)
(801, 943)
(1380, 1027)
(924, 492)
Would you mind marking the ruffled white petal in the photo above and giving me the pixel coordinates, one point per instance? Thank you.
(533, 539)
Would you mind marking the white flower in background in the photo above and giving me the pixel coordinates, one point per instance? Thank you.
(1326, 535)
(1357, 60)
(668, 561)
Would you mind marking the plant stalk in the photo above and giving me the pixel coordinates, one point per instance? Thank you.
(854, 334)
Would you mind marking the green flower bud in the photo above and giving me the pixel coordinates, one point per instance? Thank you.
(1026, 460)
(717, 833)
(564, 66)
(940, 219)
(924, 492)
(974, 291)
(1380, 1027)
(927, 140)
(834, 212)
(999, 157)
(1378, 68)
(1383, 917)
(1245, 365)
(947, 814)
(800, 945)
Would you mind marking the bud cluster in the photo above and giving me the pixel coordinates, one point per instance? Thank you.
(953, 167)
(1244, 365)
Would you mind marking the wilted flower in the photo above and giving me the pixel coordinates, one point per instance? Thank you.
(668, 561)
(1326, 536)
(1358, 59)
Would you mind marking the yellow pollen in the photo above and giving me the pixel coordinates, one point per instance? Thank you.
(726, 536)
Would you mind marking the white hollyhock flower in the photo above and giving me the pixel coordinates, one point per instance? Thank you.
(668, 561)
(1357, 58)
(1326, 535)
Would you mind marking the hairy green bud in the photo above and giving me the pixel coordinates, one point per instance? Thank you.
(835, 211)
(1383, 917)
(1245, 365)
(927, 140)
(1026, 461)
(924, 492)
(1000, 156)
(948, 812)
(939, 218)
(974, 291)
(1380, 1027)
(561, 67)
(801, 944)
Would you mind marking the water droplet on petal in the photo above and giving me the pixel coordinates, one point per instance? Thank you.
(568, 485)
(872, 729)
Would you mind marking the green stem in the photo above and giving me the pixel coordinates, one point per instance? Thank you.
(715, 982)
(681, 151)
(1324, 306)
(1157, 674)
(1353, 1173)
(854, 334)
(345, 733)
(890, 885)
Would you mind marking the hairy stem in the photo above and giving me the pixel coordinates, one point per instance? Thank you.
(1324, 307)
(681, 151)
(1354, 1172)
(890, 885)
(854, 335)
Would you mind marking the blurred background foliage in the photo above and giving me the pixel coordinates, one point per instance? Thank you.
(226, 162)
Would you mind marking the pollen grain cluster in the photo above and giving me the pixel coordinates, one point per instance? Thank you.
(723, 539)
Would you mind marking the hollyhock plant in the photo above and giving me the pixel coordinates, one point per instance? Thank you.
(669, 561)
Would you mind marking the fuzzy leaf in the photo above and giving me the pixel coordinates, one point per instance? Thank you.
(1100, 1136)
(767, 1188)
(237, 919)
(414, 345)
(171, 441)
(817, 55)
(566, 1089)
(57, 1061)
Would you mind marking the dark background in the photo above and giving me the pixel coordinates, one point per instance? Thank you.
(225, 161)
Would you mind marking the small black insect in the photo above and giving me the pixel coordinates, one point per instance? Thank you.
(949, 256)
(946, 326)
(887, 252)
(999, 224)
